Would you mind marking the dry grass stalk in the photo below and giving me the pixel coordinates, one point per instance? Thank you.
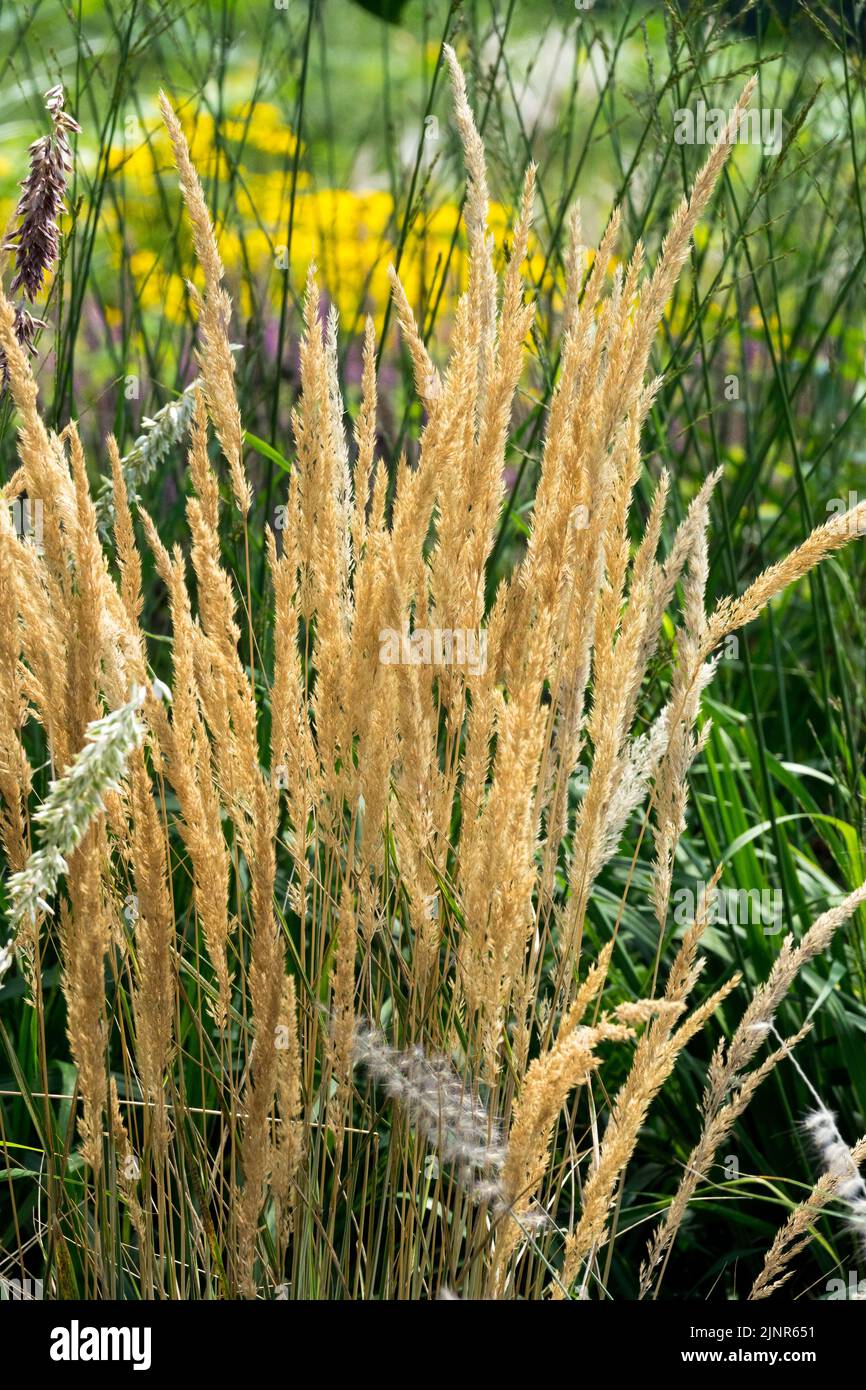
(796, 1234)
(730, 1085)
(654, 1059)
(215, 359)
(267, 972)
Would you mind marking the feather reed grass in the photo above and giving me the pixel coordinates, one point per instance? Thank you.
(374, 1046)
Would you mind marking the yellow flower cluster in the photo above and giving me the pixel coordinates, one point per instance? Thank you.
(351, 235)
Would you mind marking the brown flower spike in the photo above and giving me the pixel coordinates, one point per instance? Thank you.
(36, 240)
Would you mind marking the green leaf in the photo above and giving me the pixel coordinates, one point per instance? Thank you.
(389, 10)
(267, 451)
